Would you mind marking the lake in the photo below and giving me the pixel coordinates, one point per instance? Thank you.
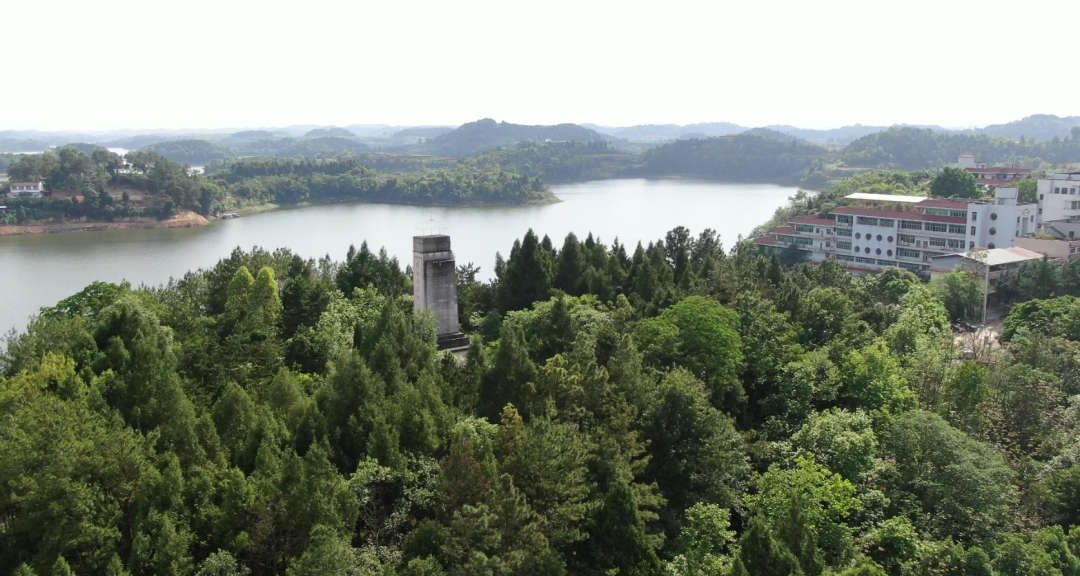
(39, 270)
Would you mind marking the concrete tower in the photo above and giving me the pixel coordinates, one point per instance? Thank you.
(435, 287)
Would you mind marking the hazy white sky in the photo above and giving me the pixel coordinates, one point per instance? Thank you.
(821, 63)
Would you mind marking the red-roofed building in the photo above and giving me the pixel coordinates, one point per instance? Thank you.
(991, 176)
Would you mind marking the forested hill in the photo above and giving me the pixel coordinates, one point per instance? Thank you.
(740, 157)
(190, 151)
(1037, 127)
(915, 148)
(488, 134)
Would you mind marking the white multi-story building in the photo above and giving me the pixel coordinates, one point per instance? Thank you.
(879, 230)
(1059, 198)
(991, 176)
(27, 190)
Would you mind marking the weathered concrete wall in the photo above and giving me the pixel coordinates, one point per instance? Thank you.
(435, 281)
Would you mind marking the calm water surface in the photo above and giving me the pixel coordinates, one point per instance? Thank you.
(41, 269)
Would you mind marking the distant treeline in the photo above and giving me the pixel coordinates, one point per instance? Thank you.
(308, 181)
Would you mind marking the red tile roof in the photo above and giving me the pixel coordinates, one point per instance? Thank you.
(782, 230)
(996, 182)
(998, 170)
(812, 220)
(765, 241)
(897, 215)
(933, 203)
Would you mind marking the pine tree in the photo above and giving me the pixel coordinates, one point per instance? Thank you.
(617, 539)
(760, 554)
(568, 274)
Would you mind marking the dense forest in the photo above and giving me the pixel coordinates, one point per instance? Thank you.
(562, 161)
(740, 157)
(674, 409)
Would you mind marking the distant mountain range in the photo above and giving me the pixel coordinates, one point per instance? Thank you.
(480, 136)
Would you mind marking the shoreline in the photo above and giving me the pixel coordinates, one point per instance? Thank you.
(186, 219)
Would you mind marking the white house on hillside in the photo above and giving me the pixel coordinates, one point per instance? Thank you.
(27, 190)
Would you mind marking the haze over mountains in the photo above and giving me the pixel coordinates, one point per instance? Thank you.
(1037, 127)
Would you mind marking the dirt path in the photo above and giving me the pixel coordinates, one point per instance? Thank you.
(181, 220)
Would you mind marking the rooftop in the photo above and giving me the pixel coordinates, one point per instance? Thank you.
(998, 256)
(999, 170)
(936, 203)
(886, 197)
(765, 240)
(897, 215)
(782, 230)
(812, 220)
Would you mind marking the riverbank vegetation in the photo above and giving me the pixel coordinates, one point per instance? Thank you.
(675, 408)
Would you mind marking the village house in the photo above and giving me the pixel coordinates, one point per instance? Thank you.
(27, 190)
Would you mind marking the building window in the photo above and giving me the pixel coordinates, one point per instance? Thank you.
(974, 216)
(828, 244)
(890, 239)
(1075, 205)
(843, 245)
(867, 250)
(866, 221)
(843, 232)
(956, 228)
(858, 236)
(956, 244)
(843, 219)
(993, 215)
(887, 222)
(878, 251)
(804, 228)
(906, 239)
(993, 231)
(905, 253)
(888, 253)
(939, 242)
(971, 245)
(1041, 196)
(866, 260)
(935, 227)
(879, 237)
(990, 245)
(972, 230)
(909, 225)
(804, 241)
(958, 214)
